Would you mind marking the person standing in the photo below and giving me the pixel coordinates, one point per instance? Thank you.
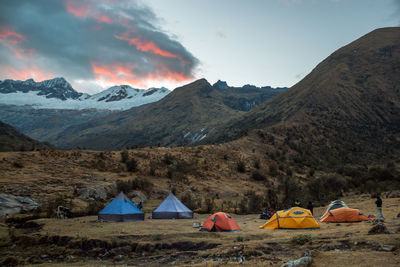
(297, 203)
(310, 207)
(378, 203)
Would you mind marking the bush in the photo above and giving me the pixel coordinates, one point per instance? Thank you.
(256, 164)
(94, 207)
(239, 239)
(241, 167)
(124, 156)
(135, 184)
(188, 200)
(301, 239)
(256, 175)
(209, 205)
(243, 207)
(132, 165)
(17, 164)
(273, 171)
(100, 165)
(254, 204)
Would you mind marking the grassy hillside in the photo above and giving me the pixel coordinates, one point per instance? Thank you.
(346, 109)
(13, 140)
(181, 118)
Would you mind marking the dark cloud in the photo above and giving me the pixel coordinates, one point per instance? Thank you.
(108, 40)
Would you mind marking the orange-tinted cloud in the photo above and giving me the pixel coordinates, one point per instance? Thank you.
(26, 73)
(11, 40)
(11, 35)
(77, 8)
(124, 73)
(146, 46)
(102, 18)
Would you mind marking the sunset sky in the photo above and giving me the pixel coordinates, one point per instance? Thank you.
(153, 43)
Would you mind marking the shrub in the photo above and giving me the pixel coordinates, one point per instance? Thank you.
(94, 207)
(168, 159)
(100, 165)
(256, 175)
(240, 166)
(256, 164)
(239, 239)
(124, 156)
(17, 164)
(243, 207)
(301, 239)
(273, 171)
(132, 165)
(254, 203)
(135, 184)
(208, 205)
(189, 201)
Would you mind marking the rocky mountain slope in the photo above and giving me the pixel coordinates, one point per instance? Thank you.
(183, 117)
(44, 124)
(346, 109)
(12, 140)
(57, 93)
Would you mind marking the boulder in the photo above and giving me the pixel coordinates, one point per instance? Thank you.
(137, 196)
(10, 204)
(96, 192)
(379, 228)
(302, 262)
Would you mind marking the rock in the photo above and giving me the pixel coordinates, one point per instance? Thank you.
(196, 225)
(309, 253)
(304, 261)
(10, 204)
(137, 196)
(95, 192)
(379, 228)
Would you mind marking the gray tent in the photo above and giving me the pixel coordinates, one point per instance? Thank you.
(172, 208)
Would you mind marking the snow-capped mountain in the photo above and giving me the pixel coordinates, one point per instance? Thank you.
(58, 93)
(55, 88)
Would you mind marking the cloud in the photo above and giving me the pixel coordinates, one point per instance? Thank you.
(106, 41)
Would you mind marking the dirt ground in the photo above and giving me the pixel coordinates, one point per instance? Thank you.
(85, 241)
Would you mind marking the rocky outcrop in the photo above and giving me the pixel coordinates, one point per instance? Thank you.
(97, 192)
(302, 262)
(379, 228)
(10, 204)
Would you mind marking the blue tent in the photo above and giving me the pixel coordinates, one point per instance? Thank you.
(121, 209)
(172, 208)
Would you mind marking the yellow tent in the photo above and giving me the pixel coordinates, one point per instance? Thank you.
(293, 218)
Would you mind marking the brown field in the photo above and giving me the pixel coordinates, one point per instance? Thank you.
(161, 242)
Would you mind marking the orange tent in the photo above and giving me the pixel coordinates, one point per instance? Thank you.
(220, 222)
(344, 215)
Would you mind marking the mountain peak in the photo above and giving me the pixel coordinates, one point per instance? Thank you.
(220, 85)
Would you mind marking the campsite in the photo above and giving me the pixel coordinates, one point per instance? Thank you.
(200, 133)
(153, 242)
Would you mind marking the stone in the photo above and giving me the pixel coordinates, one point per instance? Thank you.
(196, 225)
(10, 204)
(137, 196)
(379, 228)
(302, 262)
(95, 192)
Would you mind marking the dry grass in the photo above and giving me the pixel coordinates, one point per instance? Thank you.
(169, 231)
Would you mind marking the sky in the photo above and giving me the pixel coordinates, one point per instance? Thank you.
(95, 44)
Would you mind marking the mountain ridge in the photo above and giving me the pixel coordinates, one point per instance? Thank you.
(58, 93)
(348, 105)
